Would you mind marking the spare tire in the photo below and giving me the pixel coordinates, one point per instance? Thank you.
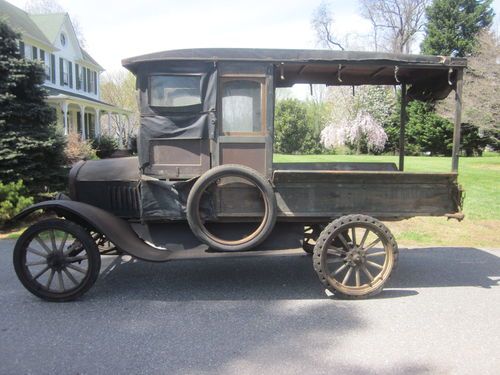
(196, 222)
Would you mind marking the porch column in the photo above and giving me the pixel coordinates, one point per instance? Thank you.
(109, 123)
(97, 124)
(82, 121)
(128, 130)
(125, 128)
(64, 108)
(120, 128)
(458, 121)
(402, 128)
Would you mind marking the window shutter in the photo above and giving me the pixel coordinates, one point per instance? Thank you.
(89, 78)
(84, 79)
(53, 67)
(77, 76)
(61, 71)
(35, 55)
(21, 48)
(70, 65)
(95, 83)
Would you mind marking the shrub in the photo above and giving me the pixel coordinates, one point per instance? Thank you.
(12, 200)
(31, 149)
(105, 146)
(473, 143)
(132, 144)
(292, 134)
(78, 149)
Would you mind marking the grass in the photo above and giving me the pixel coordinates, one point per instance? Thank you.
(12, 234)
(479, 176)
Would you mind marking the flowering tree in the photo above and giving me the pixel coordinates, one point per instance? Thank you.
(364, 129)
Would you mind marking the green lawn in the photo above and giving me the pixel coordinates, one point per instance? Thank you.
(479, 176)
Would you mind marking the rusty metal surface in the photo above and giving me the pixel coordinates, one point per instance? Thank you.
(117, 230)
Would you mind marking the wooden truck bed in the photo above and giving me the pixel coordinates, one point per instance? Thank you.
(313, 193)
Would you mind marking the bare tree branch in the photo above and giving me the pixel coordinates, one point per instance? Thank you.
(398, 20)
(322, 22)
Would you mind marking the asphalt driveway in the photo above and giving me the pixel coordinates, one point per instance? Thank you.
(259, 315)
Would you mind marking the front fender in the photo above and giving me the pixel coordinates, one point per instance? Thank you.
(116, 230)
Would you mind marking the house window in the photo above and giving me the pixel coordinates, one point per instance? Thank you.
(44, 57)
(64, 71)
(28, 51)
(242, 106)
(79, 76)
(175, 91)
(63, 39)
(91, 82)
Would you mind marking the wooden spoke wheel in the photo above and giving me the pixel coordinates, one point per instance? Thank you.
(56, 260)
(311, 235)
(355, 256)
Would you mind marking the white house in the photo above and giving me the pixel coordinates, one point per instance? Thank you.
(71, 74)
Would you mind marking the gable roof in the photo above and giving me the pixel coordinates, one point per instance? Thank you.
(21, 21)
(50, 24)
(44, 28)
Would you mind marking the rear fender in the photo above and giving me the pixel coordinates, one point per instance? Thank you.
(116, 230)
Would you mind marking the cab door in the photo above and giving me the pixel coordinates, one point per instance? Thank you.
(243, 132)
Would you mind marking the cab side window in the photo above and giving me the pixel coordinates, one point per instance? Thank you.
(242, 106)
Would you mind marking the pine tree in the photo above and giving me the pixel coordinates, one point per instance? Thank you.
(454, 25)
(30, 147)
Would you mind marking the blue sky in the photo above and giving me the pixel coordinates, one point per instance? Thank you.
(116, 29)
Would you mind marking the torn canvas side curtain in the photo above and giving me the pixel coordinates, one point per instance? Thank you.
(178, 115)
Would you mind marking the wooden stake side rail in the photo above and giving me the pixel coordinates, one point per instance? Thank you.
(381, 194)
(317, 195)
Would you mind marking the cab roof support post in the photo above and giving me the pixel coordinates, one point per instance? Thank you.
(402, 128)
(458, 120)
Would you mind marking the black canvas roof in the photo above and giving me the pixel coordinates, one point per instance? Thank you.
(431, 77)
(293, 55)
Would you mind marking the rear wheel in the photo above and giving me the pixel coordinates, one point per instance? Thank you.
(311, 235)
(56, 260)
(355, 256)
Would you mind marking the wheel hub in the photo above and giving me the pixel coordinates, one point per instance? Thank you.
(355, 257)
(56, 261)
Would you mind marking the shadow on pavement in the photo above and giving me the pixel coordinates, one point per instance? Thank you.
(446, 267)
(291, 277)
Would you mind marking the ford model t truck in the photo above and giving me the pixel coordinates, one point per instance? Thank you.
(204, 179)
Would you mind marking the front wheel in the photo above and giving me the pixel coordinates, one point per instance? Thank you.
(56, 260)
(355, 256)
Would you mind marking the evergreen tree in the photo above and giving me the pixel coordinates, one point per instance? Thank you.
(30, 147)
(453, 26)
(292, 135)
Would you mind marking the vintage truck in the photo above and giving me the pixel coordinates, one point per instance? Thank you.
(204, 180)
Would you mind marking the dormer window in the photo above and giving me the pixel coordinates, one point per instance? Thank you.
(63, 39)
